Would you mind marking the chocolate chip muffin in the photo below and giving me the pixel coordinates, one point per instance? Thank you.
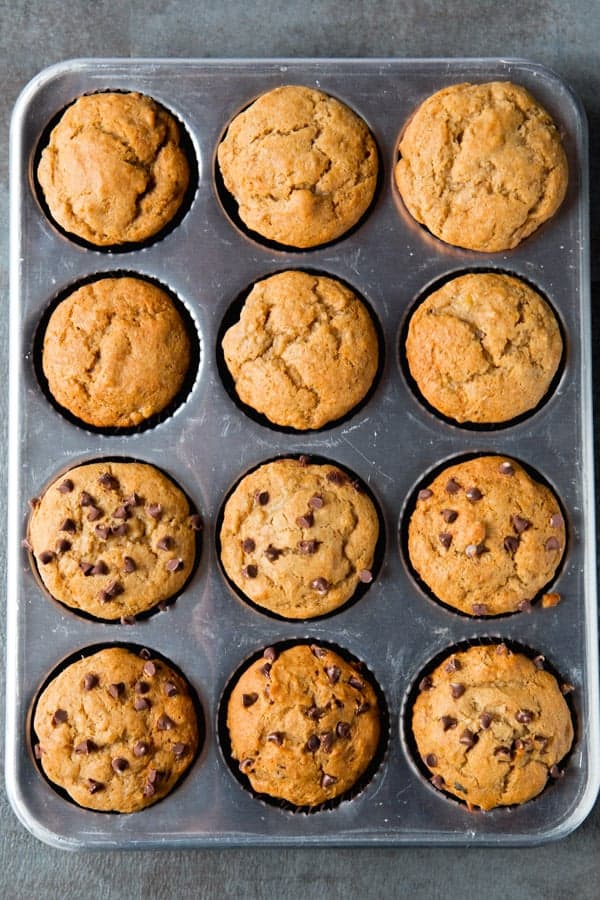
(113, 539)
(482, 166)
(298, 538)
(304, 724)
(301, 166)
(485, 537)
(116, 731)
(116, 352)
(114, 171)
(483, 348)
(304, 351)
(491, 726)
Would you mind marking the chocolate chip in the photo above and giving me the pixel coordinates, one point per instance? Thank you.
(86, 746)
(320, 585)
(552, 544)
(129, 564)
(102, 531)
(155, 511)
(506, 468)
(306, 521)
(503, 753)
(452, 665)
(150, 668)
(555, 772)
(116, 690)
(149, 790)
(363, 708)
(141, 703)
(180, 750)
(60, 716)
(556, 521)
(313, 743)
(86, 499)
(276, 737)
(174, 565)
(328, 780)
(261, 497)
(511, 543)
(141, 748)
(86, 568)
(319, 652)
(485, 720)
(265, 670)
(452, 487)
(196, 522)
(63, 545)
(34, 502)
(94, 786)
(356, 683)
(127, 620)
(473, 494)
(90, 681)
(448, 722)
(520, 524)
(327, 741)
(333, 673)
(133, 500)
(425, 684)
(68, 525)
(525, 606)
(308, 547)
(66, 486)
(431, 760)
(249, 699)
(46, 556)
(119, 764)
(270, 653)
(342, 729)
(250, 571)
(248, 545)
(38, 751)
(121, 512)
(468, 739)
(304, 460)
(567, 688)
(165, 543)
(479, 609)
(539, 661)
(118, 530)
(316, 502)
(145, 653)
(336, 477)
(100, 568)
(26, 544)
(164, 723)
(424, 494)
(449, 515)
(445, 539)
(94, 514)
(438, 782)
(113, 589)
(272, 553)
(365, 576)
(246, 764)
(457, 690)
(473, 550)
(108, 481)
(524, 716)
(170, 689)
(314, 713)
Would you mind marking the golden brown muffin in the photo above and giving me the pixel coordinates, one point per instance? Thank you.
(483, 348)
(116, 731)
(298, 538)
(486, 537)
(481, 165)
(113, 539)
(116, 352)
(113, 171)
(304, 725)
(304, 351)
(491, 726)
(301, 166)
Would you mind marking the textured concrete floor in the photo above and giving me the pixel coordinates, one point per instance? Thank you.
(565, 37)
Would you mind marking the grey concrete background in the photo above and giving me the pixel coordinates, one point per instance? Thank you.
(563, 36)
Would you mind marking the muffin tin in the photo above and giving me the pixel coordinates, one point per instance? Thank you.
(392, 442)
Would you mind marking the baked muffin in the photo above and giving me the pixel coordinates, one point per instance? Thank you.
(298, 538)
(116, 731)
(114, 171)
(483, 348)
(113, 539)
(485, 537)
(116, 352)
(482, 166)
(301, 166)
(304, 724)
(304, 351)
(491, 726)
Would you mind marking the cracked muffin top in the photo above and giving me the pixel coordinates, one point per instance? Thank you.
(304, 351)
(485, 537)
(113, 171)
(304, 724)
(301, 166)
(491, 726)
(298, 538)
(482, 166)
(116, 352)
(483, 348)
(116, 730)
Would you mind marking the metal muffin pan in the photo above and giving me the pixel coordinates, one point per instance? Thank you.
(391, 443)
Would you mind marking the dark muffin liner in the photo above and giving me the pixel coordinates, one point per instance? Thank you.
(370, 774)
(144, 653)
(405, 723)
(409, 507)
(361, 588)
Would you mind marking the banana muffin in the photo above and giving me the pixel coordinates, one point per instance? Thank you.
(298, 538)
(116, 352)
(485, 537)
(301, 166)
(491, 726)
(114, 171)
(304, 351)
(482, 166)
(483, 348)
(113, 539)
(304, 724)
(115, 730)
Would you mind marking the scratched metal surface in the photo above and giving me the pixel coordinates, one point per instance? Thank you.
(391, 443)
